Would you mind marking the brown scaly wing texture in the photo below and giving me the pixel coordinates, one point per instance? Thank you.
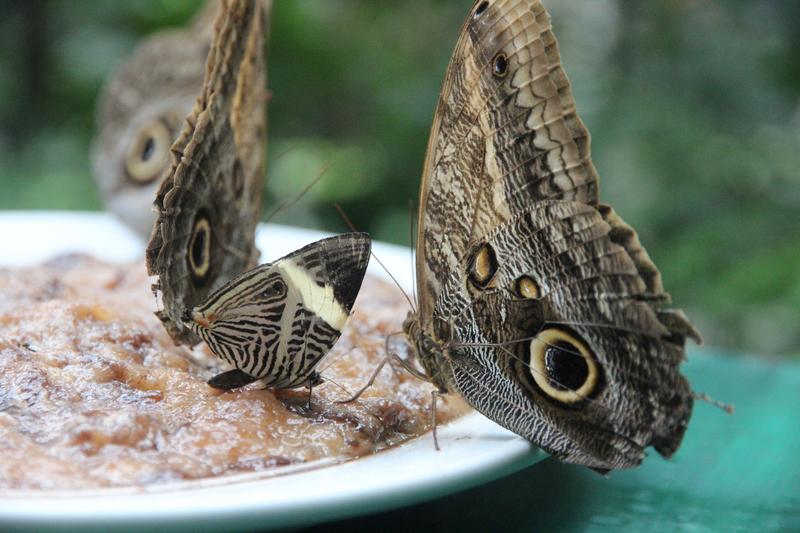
(208, 205)
(140, 114)
(505, 134)
(590, 290)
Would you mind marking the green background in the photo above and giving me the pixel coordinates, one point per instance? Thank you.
(694, 107)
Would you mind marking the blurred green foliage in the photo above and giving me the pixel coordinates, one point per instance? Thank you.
(694, 106)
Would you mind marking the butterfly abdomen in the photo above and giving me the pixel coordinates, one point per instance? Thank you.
(669, 433)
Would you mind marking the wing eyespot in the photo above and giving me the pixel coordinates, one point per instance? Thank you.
(276, 288)
(481, 9)
(563, 367)
(500, 65)
(199, 252)
(149, 153)
(526, 287)
(483, 266)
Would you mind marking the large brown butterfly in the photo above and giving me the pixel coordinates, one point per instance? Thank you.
(537, 303)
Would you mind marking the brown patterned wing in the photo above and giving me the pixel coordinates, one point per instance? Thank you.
(562, 341)
(505, 134)
(208, 205)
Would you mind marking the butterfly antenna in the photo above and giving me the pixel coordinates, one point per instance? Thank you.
(331, 362)
(332, 382)
(286, 205)
(502, 346)
(703, 397)
(584, 398)
(353, 228)
(491, 392)
(411, 252)
(342, 387)
(283, 153)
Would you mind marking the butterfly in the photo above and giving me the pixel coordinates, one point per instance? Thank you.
(537, 303)
(140, 113)
(209, 203)
(272, 322)
(275, 323)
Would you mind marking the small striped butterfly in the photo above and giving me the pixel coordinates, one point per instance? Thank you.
(277, 321)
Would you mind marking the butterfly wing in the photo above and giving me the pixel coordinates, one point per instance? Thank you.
(505, 134)
(562, 340)
(140, 113)
(277, 321)
(208, 205)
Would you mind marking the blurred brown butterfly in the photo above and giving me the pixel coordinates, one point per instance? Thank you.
(537, 303)
(140, 113)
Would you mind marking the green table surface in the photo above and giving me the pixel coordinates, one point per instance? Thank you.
(737, 472)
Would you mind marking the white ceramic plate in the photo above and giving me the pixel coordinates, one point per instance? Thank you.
(474, 450)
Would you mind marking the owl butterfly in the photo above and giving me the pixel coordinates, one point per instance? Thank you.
(208, 204)
(537, 303)
(140, 113)
(274, 322)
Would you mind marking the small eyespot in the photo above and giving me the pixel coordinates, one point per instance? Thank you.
(500, 65)
(481, 8)
(563, 367)
(483, 266)
(149, 154)
(525, 287)
(276, 288)
(199, 255)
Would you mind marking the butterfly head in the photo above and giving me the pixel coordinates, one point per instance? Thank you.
(429, 347)
(200, 319)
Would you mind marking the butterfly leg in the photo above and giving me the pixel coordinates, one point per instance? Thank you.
(369, 382)
(435, 395)
(314, 379)
(703, 397)
(387, 351)
(391, 357)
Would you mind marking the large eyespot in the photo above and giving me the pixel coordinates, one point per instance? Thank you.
(149, 153)
(199, 253)
(525, 287)
(480, 9)
(563, 367)
(500, 65)
(483, 266)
